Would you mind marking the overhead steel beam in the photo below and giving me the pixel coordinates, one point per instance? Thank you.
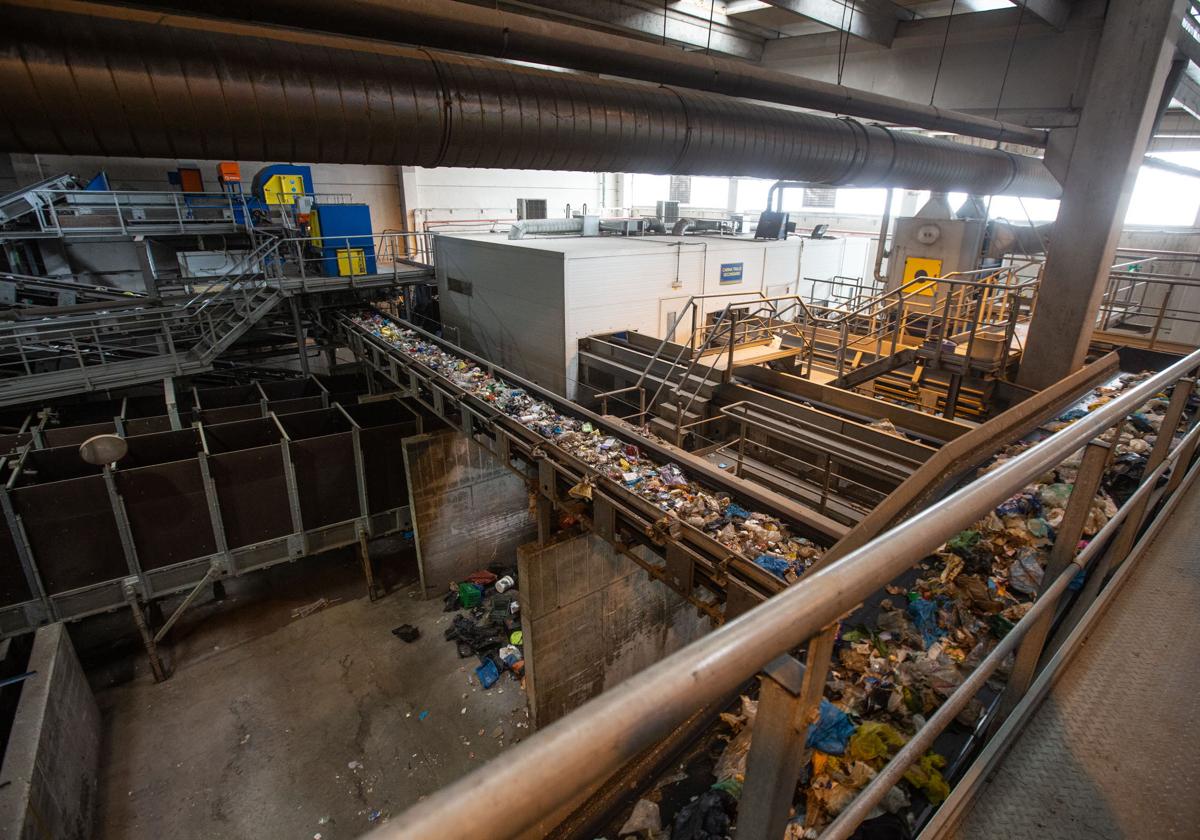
(868, 24)
(1168, 166)
(1186, 43)
(1187, 94)
(655, 21)
(488, 31)
(1053, 12)
(87, 78)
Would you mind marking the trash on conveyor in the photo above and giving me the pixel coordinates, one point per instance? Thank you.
(315, 606)
(644, 822)
(708, 817)
(895, 667)
(666, 486)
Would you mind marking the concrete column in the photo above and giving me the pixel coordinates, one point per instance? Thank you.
(731, 197)
(49, 770)
(1128, 74)
(468, 510)
(591, 618)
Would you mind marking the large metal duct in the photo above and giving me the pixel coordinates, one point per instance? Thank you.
(85, 79)
(491, 31)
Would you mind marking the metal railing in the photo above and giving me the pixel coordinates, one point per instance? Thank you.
(60, 287)
(556, 764)
(962, 308)
(313, 261)
(195, 329)
(746, 318)
(82, 349)
(820, 478)
(130, 212)
(958, 307)
(1154, 308)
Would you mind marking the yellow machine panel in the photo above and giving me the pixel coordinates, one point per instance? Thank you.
(351, 262)
(314, 230)
(283, 189)
(920, 266)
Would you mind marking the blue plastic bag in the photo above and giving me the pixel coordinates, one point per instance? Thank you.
(831, 733)
(488, 674)
(773, 564)
(924, 618)
(1139, 422)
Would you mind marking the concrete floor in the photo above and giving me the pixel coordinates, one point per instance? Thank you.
(278, 727)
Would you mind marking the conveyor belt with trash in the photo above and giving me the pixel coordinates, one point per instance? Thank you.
(738, 541)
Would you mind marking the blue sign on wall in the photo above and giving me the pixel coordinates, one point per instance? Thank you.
(731, 273)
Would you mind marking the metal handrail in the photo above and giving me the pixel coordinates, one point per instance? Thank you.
(848, 820)
(186, 327)
(549, 769)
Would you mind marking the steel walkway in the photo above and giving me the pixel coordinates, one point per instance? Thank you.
(1111, 751)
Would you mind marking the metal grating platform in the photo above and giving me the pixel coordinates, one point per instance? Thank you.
(1111, 753)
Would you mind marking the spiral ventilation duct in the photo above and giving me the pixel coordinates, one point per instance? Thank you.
(86, 79)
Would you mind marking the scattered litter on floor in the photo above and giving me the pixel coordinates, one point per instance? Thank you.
(315, 606)
(423, 715)
(406, 633)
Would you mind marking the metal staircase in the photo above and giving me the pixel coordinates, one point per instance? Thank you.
(931, 342)
(54, 357)
(676, 380)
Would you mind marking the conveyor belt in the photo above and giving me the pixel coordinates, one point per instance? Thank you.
(691, 557)
(1111, 752)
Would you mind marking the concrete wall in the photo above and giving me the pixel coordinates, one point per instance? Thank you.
(50, 766)
(467, 509)
(591, 618)
(513, 313)
(449, 198)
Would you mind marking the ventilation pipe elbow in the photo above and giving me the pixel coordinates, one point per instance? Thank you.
(526, 226)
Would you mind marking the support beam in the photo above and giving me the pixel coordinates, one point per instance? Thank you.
(869, 25)
(1134, 56)
(653, 21)
(1045, 83)
(1175, 76)
(1053, 12)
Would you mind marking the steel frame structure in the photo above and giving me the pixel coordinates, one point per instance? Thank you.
(146, 579)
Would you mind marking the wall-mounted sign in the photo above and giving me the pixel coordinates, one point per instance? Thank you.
(731, 273)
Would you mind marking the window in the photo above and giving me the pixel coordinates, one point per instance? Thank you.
(463, 287)
(531, 208)
(825, 197)
(681, 189)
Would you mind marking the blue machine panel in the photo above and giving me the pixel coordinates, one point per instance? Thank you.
(342, 227)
